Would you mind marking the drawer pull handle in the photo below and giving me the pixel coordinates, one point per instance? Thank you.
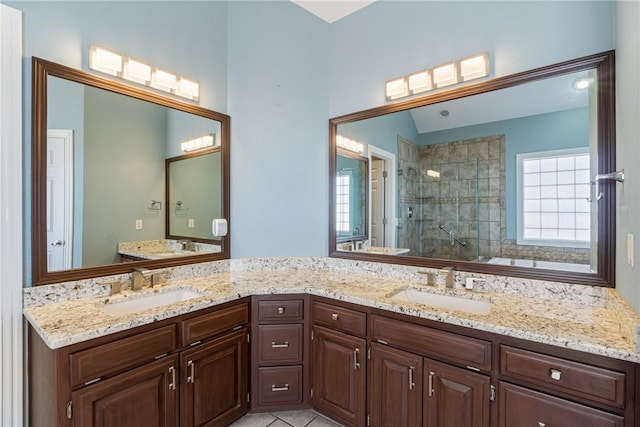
(555, 374)
(356, 365)
(172, 372)
(276, 388)
(334, 316)
(541, 424)
(280, 310)
(191, 366)
(412, 385)
(283, 345)
(431, 374)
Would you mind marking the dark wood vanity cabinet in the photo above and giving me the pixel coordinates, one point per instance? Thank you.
(339, 363)
(191, 370)
(280, 353)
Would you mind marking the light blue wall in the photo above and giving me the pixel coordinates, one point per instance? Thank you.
(382, 131)
(278, 102)
(543, 132)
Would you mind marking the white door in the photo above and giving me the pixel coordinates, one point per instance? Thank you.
(59, 199)
(377, 202)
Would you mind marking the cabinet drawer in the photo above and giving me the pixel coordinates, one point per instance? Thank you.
(281, 310)
(210, 324)
(91, 364)
(445, 346)
(522, 407)
(280, 344)
(340, 318)
(590, 382)
(279, 386)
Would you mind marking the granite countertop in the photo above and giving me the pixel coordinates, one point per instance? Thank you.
(607, 329)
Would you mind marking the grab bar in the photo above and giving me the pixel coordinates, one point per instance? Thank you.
(452, 238)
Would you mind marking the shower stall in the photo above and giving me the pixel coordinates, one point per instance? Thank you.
(451, 198)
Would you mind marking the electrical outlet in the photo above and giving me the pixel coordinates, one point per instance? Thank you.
(191, 223)
(138, 224)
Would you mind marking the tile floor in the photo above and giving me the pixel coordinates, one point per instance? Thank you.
(306, 418)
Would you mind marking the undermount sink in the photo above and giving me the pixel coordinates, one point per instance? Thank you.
(443, 301)
(147, 300)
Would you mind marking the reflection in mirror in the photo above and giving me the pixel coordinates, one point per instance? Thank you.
(500, 178)
(351, 197)
(193, 206)
(102, 184)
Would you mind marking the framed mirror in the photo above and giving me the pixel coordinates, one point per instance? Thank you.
(496, 177)
(100, 201)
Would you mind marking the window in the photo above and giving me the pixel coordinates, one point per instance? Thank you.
(553, 198)
(343, 185)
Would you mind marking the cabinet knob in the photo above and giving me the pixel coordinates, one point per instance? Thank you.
(555, 374)
(334, 316)
(280, 310)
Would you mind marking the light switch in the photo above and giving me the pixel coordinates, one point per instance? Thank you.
(191, 223)
(630, 249)
(138, 224)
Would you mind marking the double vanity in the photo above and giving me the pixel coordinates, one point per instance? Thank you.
(359, 342)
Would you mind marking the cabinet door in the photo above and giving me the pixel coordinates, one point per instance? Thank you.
(455, 396)
(396, 387)
(339, 375)
(142, 397)
(214, 381)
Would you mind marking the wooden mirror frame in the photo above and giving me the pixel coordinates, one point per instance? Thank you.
(606, 244)
(41, 70)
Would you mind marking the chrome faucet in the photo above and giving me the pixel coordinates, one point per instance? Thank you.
(138, 275)
(187, 245)
(448, 274)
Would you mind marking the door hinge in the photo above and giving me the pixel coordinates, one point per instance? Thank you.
(69, 410)
(368, 420)
(385, 174)
(492, 393)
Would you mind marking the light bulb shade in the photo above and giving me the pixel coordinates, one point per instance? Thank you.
(136, 71)
(163, 80)
(188, 88)
(474, 67)
(420, 82)
(396, 88)
(203, 141)
(349, 144)
(104, 60)
(445, 74)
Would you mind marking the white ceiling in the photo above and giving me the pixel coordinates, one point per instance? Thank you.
(332, 10)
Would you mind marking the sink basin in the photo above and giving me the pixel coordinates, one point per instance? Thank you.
(147, 300)
(443, 301)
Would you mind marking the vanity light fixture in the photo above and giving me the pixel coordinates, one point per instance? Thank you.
(474, 67)
(105, 60)
(445, 75)
(199, 142)
(420, 81)
(349, 144)
(136, 71)
(458, 71)
(581, 83)
(397, 88)
(115, 64)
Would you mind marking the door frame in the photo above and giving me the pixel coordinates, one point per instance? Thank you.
(390, 190)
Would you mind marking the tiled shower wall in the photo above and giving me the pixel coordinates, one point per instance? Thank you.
(466, 168)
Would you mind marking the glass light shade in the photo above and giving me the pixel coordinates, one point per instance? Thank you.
(474, 67)
(198, 143)
(106, 61)
(349, 144)
(396, 88)
(420, 81)
(445, 75)
(163, 80)
(136, 71)
(188, 89)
